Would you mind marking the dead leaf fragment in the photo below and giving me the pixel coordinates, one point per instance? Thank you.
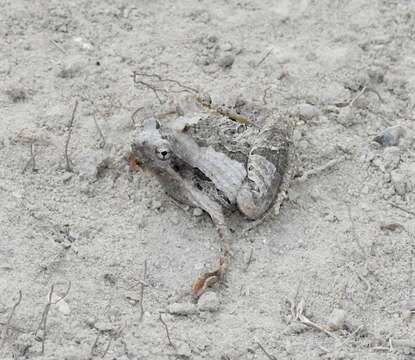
(133, 163)
(206, 280)
(391, 227)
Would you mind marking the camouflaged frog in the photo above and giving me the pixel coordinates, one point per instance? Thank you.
(218, 158)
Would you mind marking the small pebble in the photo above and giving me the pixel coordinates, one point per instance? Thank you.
(88, 167)
(82, 44)
(90, 322)
(227, 46)
(307, 111)
(295, 328)
(391, 158)
(226, 61)
(66, 177)
(156, 205)
(346, 116)
(182, 309)
(406, 314)
(399, 182)
(337, 319)
(103, 326)
(390, 136)
(183, 350)
(72, 67)
(197, 212)
(63, 307)
(208, 302)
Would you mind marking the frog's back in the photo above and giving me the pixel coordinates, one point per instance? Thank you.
(224, 135)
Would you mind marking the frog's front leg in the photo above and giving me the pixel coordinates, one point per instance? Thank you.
(214, 209)
(266, 167)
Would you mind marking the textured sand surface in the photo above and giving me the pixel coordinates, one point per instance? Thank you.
(346, 68)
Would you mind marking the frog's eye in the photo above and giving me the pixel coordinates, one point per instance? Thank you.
(157, 125)
(163, 152)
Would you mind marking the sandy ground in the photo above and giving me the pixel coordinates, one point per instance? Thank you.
(342, 246)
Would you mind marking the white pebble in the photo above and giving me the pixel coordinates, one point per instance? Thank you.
(399, 182)
(337, 319)
(182, 309)
(208, 302)
(390, 136)
(197, 212)
(307, 111)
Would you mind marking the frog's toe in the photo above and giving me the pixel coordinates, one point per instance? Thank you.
(250, 204)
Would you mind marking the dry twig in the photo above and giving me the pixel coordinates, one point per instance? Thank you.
(155, 89)
(298, 314)
(101, 135)
(354, 234)
(70, 127)
(267, 354)
(167, 330)
(94, 345)
(31, 160)
(249, 261)
(320, 169)
(134, 114)
(143, 284)
(9, 319)
(58, 46)
(403, 209)
(264, 58)
(43, 321)
(359, 94)
(159, 78)
(264, 97)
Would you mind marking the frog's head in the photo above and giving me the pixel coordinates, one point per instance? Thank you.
(150, 146)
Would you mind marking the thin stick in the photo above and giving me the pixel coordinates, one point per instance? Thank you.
(403, 343)
(264, 58)
(267, 354)
(94, 345)
(43, 322)
(158, 77)
(320, 169)
(361, 92)
(303, 319)
(134, 114)
(349, 337)
(9, 319)
(403, 209)
(103, 141)
(167, 331)
(354, 234)
(367, 283)
(107, 347)
(251, 253)
(151, 87)
(376, 93)
(70, 126)
(31, 160)
(264, 97)
(143, 284)
(58, 46)
(32, 155)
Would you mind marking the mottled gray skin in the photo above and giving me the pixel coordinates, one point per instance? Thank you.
(207, 160)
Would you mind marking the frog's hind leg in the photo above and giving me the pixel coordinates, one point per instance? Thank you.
(266, 167)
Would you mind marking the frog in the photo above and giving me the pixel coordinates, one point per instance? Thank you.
(222, 158)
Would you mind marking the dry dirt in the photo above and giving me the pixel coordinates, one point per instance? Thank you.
(342, 242)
